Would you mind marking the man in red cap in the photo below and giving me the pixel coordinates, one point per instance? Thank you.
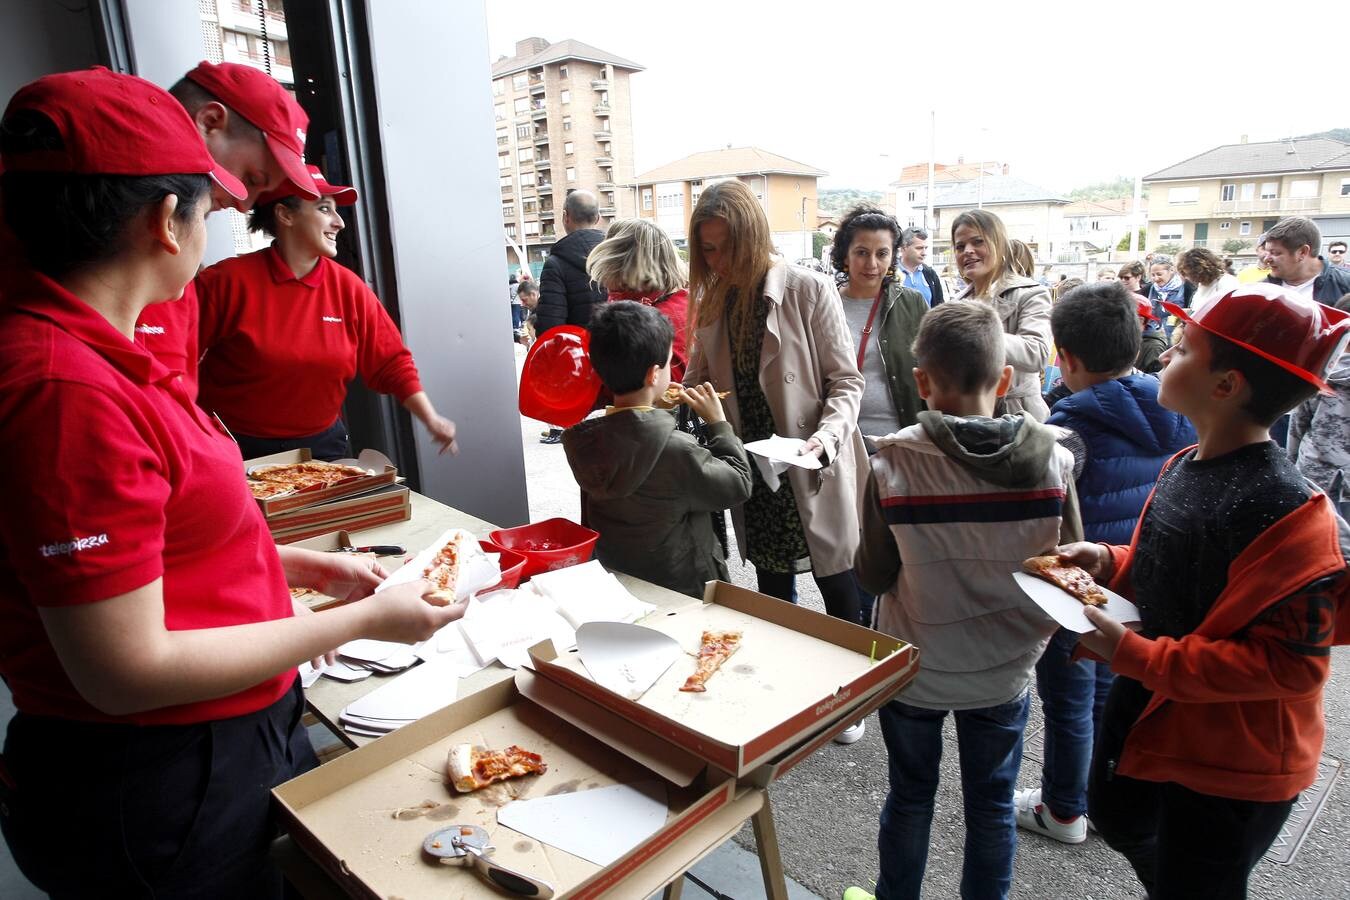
(255, 129)
(1214, 723)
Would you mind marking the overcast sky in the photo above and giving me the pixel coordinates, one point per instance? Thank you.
(1066, 97)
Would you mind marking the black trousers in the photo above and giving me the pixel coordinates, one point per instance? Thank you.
(1183, 845)
(330, 444)
(164, 811)
(839, 591)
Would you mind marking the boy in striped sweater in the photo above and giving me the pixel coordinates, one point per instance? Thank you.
(954, 504)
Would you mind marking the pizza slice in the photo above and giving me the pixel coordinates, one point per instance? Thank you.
(262, 490)
(715, 648)
(443, 572)
(306, 475)
(672, 395)
(472, 768)
(1074, 581)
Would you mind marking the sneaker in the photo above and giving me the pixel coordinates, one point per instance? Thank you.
(851, 735)
(553, 437)
(1033, 815)
(546, 432)
(857, 893)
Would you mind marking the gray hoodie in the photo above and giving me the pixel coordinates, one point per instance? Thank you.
(1319, 433)
(649, 488)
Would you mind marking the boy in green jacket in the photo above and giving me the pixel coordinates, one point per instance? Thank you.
(648, 488)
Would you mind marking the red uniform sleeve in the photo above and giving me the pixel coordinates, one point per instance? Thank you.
(381, 357)
(89, 522)
(1284, 653)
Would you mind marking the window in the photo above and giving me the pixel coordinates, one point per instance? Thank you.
(1345, 187)
(531, 228)
(562, 71)
(646, 198)
(1225, 226)
(1170, 233)
(604, 98)
(511, 230)
(1248, 192)
(526, 179)
(571, 173)
(503, 139)
(567, 147)
(604, 123)
(1228, 192)
(524, 132)
(1245, 228)
(912, 196)
(503, 161)
(1270, 190)
(500, 111)
(567, 123)
(525, 154)
(506, 181)
(522, 105)
(1178, 195)
(1304, 188)
(519, 81)
(527, 206)
(1096, 225)
(565, 96)
(498, 87)
(508, 210)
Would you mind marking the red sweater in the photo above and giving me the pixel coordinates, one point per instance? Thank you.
(280, 350)
(1237, 703)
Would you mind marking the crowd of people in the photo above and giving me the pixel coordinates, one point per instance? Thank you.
(1124, 426)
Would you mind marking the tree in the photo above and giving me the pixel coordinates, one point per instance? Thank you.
(1168, 249)
(1235, 245)
(819, 241)
(1138, 245)
(837, 201)
(1107, 190)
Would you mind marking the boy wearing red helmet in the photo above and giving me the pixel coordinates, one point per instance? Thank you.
(1214, 723)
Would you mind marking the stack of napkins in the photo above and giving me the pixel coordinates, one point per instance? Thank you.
(587, 593)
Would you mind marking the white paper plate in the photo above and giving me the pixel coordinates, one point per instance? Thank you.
(627, 659)
(1067, 610)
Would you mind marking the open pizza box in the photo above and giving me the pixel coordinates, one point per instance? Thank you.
(381, 468)
(381, 506)
(363, 817)
(798, 679)
(328, 542)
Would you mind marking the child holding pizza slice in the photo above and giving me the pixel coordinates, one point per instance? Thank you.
(1214, 723)
(954, 504)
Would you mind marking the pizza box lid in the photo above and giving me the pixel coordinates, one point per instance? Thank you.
(343, 814)
(764, 701)
(384, 513)
(382, 468)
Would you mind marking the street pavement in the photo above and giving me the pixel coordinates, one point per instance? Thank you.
(826, 809)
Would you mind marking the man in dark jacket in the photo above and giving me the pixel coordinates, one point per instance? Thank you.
(1292, 246)
(566, 293)
(913, 272)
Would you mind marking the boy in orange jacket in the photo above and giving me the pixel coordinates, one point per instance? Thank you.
(1214, 723)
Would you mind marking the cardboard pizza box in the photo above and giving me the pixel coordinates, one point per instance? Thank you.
(327, 542)
(384, 473)
(799, 677)
(363, 816)
(390, 503)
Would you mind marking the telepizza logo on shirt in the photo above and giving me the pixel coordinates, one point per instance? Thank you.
(335, 319)
(150, 329)
(74, 545)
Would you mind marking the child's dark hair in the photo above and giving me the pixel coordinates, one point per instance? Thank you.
(67, 222)
(1275, 391)
(262, 218)
(960, 346)
(627, 339)
(1099, 324)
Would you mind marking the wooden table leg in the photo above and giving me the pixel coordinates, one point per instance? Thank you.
(674, 889)
(770, 861)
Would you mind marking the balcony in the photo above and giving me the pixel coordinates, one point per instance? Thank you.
(541, 138)
(602, 109)
(546, 214)
(600, 84)
(1273, 205)
(608, 211)
(538, 112)
(547, 237)
(605, 160)
(537, 88)
(545, 186)
(543, 163)
(605, 186)
(604, 135)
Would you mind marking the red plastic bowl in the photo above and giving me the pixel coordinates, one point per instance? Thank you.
(548, 545)
(512, 565)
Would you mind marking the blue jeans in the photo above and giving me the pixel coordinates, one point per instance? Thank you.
(989, 742)
(1073, 695)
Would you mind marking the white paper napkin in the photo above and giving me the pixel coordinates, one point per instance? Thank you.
(773, 456)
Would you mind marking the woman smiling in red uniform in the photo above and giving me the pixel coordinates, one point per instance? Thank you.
(286, 328)
(146, 629)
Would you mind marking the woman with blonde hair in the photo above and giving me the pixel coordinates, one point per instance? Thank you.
(637, 261)
(774, 336)
(984, 257)
(1023, 263)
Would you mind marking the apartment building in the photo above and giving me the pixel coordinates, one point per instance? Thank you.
(1095, 226)
(907, 197)
(1030, 213)
(1225, 198)
(563, 123)
(251, 32)
(785, 188)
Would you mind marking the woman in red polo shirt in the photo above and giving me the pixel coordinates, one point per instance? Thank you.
(146, 629)
(285, 329)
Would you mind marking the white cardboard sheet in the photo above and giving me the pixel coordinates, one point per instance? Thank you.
(598, 825)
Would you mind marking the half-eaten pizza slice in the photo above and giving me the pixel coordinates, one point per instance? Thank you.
(1074, 581)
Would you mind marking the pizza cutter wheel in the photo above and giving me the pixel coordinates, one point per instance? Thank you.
(467, 845)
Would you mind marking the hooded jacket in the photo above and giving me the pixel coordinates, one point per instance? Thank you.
(1023, 305)
(566, 293)
(1319, 433)
(1152, 345)
(648, 489)
(953, 507)
(1127, 437)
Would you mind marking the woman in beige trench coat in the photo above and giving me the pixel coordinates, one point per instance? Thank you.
(774, 336)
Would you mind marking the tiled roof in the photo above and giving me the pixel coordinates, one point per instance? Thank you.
(996, 189)
(726, 163)
(1306, 155)
(562, 50)
(1114, 206)
(945, 172)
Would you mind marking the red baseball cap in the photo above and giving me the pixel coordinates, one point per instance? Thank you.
(1144, 308)
(1299, 335)
(558, 384)
(342, 196)
(261, 99)
(114, 124)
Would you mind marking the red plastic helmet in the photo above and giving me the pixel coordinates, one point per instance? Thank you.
(1299, 335)
(1144, 308)
(558, 384)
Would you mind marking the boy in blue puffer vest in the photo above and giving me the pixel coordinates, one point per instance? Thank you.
(1124, 438)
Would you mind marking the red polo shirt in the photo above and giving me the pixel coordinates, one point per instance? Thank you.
(115, 479)
(169, 331)
(281, 350)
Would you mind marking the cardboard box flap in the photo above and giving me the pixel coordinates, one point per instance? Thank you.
(671, 763)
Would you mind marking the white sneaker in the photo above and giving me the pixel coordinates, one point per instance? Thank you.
(1033, 815)
(851, 734)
